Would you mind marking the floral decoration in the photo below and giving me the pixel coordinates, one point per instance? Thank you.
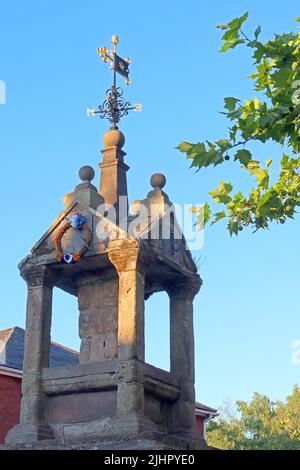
(78, 222)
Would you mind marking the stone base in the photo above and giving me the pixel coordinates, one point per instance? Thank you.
(116, 428)
(131, 432)
(24, 433)
(144, 442)
(194, 439)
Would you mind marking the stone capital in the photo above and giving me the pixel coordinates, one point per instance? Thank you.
(125, 256)
(38, 276)
(130, 256)
(185, 289)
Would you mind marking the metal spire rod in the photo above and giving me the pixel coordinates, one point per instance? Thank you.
(115, 42)
(114, 107)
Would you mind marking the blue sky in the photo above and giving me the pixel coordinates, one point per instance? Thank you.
(247, 314)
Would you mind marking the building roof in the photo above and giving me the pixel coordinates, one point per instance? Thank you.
(12, 350)
(202, 409)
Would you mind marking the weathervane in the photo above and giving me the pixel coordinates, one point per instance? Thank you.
(115, 106)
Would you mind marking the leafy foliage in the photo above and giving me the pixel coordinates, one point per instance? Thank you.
(261, 424)
(276, 118)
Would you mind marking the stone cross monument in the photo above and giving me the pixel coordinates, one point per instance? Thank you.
(112, 260)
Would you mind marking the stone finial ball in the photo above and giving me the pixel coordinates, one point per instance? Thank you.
(158, 180)
(114, 138)
(86, 173)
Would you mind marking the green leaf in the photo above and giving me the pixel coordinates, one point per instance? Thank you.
(230, 103)
(259, 52)
(266, 119)
(184, 146)
(263, 179)
(206, 213)
(282, 77)
(221, 194)
(257, 32)
(203, 216)
(233, 227)
(232, 115)
(236, 23)
(244, 156)
(223, 144)
(253, 167)
(218, 216)
(231, 44)
(222, 26)
(226, 187)
(252, 43)
(231, 37)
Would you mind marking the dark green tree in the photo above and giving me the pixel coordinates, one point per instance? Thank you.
(261, 424)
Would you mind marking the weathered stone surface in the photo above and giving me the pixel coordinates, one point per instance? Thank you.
(161, 390)
(113, 181)
(182, 353)
(81, 370)
(82, 407)
(80, 384)
(23, 434)
(130, 425)
(146, 441)
(36, 356)
(112, 399)
(98, 321)
(131, 301)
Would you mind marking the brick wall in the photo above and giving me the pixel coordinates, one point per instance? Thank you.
(200, 425)
(10, 398)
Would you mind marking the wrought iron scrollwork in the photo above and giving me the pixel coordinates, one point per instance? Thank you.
(114, 106)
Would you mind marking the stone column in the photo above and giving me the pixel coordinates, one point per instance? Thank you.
(131, 347)
(182, 352)
(33, 421)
